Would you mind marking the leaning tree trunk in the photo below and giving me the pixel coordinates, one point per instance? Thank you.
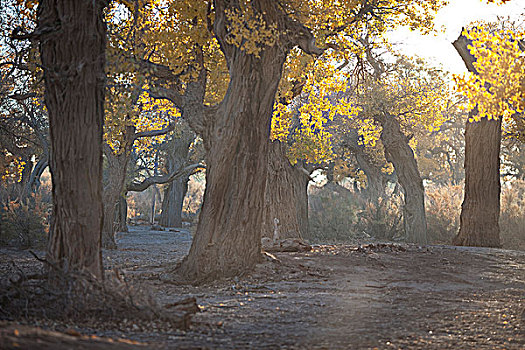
(286, 201)
(481, 204)
(228, 237)
(401, 155)
(376, 180)
(72, 50)
(235, 134)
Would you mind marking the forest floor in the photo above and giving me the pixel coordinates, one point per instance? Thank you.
(384, 296)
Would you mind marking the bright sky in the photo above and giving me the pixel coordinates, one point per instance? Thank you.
(459, 13)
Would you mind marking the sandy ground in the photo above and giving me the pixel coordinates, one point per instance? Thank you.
(384, 296)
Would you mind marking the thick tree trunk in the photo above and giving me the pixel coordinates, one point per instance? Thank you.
(401, 155)
(286, 201)
(479, 219)
(72, 51)
(235, 134)
(117, 165)
(116, 176)
(177, 157)
(174, 194)
(481, 204)
(228, 237)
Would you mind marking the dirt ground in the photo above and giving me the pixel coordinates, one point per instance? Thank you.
(385, 296)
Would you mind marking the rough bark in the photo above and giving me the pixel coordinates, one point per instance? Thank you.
(286, 201)
(72, 49)
(479, 219)
(228, 238)
(235, 134)
(171, 215)
(122, 214)
(481, 203)
(177, 156)
(401, 155)
(114, 183)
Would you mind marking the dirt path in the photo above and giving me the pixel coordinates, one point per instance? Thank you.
(335, 297)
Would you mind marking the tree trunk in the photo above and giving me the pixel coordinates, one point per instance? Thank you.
(479, 219)
(72, 50)
(375, 178)
(122, 214)
(174, 194)
(177, 157)
(286, 201)
(114, 186)
(401, 155)
(228, 237)
(481, 204)
(235, 133)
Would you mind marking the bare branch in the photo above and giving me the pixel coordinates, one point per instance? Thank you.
(162, 179)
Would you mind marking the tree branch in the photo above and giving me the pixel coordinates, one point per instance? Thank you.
(461, 45)
(171, 95)
(152, 133)
(162, 179)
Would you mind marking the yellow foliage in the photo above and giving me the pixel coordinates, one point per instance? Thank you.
(11, 167)
(498, 88)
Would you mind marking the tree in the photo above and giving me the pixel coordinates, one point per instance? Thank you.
(496, 93)
(286, 197)
(23, 120)
(177, 154)
(72, 39)
(255, 38)
(117, 163)
(399, 100)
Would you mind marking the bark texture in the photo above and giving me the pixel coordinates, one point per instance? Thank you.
(228, 237)
(376, 179)
(479, 219)
(481, 204)
(286, 201)
(235, 133)
(177, 157)
(117, 165)
(72, 49)
(171, 215)
(401, 155)
(122, 214)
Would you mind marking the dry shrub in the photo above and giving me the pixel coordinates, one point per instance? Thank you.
(78, 297)
(25, 224)
(332, 216)
(383, 218)
(443, 206)
(512, 216)
(337, 214)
